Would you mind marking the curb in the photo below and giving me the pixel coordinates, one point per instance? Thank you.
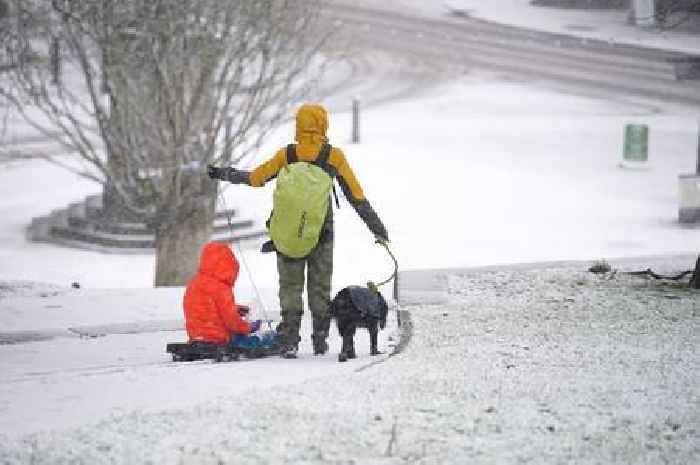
(405, 332)
(405, 336)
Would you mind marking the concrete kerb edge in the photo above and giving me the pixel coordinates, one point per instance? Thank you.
(405, 332)
(405, 335)
(554, 264)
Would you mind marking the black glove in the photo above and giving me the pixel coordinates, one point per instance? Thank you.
(235, 176)
(268, 247)
(231, 175)
(216, 173)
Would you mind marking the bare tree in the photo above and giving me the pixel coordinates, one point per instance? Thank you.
(146, 89)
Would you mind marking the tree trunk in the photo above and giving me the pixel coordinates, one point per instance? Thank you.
(178, 246)
(4, 9)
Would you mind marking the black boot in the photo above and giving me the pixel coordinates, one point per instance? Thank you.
(289, 339)
(321, 328)
(348, 350)
(320, 344)
(289, 350)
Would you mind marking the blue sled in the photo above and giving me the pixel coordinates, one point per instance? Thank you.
(252, 346)
(255, 346)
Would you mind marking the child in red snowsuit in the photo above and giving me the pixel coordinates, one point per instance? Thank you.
(211, 314)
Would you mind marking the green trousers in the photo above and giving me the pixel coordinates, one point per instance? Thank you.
(319, 268)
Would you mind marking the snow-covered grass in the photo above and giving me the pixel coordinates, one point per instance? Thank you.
(523, 364)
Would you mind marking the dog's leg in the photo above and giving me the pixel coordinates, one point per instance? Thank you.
(351, 341)
(372, 328)
(343, 330)
(345, 352)
(348, 333)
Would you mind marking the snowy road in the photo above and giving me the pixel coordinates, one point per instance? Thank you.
(598, 67)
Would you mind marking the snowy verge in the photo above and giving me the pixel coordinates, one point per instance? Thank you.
(102, 354)
(548, 364)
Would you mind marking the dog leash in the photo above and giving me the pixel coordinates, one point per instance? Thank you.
(394, 276)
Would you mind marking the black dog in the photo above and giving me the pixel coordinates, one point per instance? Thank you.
(358, 307)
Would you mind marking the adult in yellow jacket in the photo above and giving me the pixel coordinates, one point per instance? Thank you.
(311, 129)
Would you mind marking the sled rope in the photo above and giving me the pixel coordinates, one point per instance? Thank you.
(245, 263)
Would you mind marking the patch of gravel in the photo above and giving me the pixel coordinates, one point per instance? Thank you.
(536, 365)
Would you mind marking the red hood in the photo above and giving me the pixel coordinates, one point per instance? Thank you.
(218, 262)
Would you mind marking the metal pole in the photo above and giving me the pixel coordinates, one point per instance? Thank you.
(697, 168)
(355, 121)
(55, 60)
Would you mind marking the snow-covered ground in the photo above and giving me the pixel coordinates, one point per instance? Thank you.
(476, 173)
(491, 173)
(102, 354)
(539, 364)
(471, 173)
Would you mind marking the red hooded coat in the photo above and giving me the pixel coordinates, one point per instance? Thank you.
(211, 314)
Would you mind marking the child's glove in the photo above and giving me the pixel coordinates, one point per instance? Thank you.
(243, 310)
(255, 325)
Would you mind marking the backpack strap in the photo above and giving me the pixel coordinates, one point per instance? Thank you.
(322, 157)
(322, 162)
(292, 154)
(335, 196)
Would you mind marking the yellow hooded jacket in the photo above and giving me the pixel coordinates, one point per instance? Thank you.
(311, 128)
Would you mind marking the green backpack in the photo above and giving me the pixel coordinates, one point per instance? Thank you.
(300, 203)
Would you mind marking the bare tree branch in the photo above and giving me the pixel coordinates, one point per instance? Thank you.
(148, 88)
